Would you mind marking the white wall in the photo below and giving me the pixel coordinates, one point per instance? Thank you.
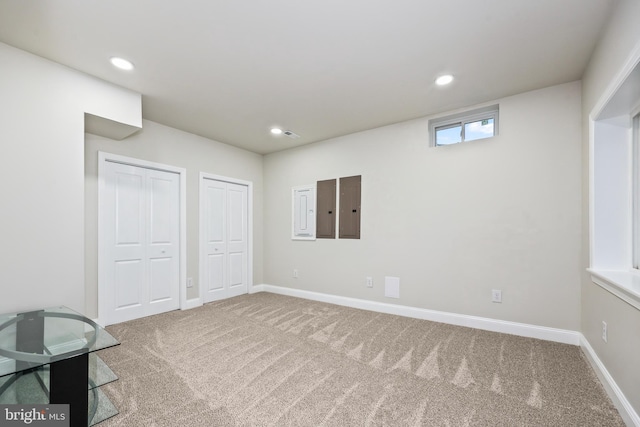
(42, 106)
(162, 144)
(451, 222)
(620, 354)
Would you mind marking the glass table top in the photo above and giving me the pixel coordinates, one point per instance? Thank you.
(36, 338)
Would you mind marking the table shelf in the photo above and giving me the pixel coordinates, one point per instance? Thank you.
(100, 407)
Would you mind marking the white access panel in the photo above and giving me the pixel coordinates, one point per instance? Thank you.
(391, 287)
(304, 212)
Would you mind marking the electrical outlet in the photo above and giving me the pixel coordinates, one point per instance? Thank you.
(369, 282)
(604, 331)
(295, 273)
(189, 282)
(496, 295)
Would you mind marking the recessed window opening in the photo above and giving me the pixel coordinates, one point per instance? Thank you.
(467, 126)
(614, 175)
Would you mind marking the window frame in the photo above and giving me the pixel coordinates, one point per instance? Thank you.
(614, 164)
(462, 119)
(635, 188)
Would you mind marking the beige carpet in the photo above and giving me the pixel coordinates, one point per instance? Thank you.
(271, 360)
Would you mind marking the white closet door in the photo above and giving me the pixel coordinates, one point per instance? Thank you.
(142, 223)
(214, 197)
(163, 242)
(225, 234)
(237, 239)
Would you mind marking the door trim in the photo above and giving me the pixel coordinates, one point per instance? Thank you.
(103, 158)
(201, 234)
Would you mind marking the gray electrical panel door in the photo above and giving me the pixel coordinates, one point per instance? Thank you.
(350, 207)
(326, 209)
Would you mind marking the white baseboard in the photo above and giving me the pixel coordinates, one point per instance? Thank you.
(531, 331)
(192, 303)
(256, 288)
(628, 414)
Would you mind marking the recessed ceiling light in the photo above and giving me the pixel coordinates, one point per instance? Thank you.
(444, 80)
(121, 63)
(276, 131)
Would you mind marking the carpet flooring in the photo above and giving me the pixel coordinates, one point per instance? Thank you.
(272, 360)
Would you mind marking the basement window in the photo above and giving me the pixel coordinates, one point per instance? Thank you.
(471, 125)
(614, 199)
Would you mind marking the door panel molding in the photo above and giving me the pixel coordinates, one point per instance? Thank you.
(103, 160)
(204, 257)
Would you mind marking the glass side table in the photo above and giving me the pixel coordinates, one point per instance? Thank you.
(48, 356)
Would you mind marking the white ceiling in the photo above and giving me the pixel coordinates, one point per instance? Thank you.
(229, 70)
